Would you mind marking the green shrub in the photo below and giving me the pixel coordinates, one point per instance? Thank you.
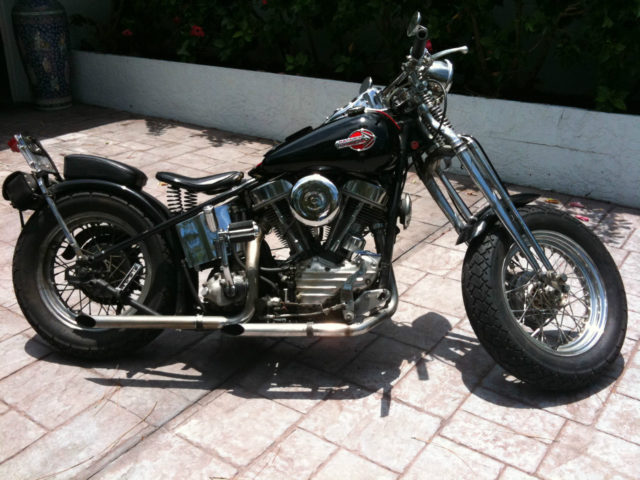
(582, 52)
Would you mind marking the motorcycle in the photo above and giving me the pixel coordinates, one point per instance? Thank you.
(100, 267)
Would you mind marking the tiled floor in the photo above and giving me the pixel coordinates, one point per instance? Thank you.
(416, 398)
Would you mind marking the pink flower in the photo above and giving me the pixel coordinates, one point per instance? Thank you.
(196, 31)
(127, 33)
(177, 20)
(264, 2)
(429, 46)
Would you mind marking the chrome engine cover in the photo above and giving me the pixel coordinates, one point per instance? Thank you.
(318, 279)
(315, 200)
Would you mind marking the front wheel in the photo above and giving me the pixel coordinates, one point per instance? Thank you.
(557, 336)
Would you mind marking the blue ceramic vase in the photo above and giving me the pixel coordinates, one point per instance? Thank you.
(42, 33)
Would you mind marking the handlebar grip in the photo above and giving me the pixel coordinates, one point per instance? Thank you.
(419, 44)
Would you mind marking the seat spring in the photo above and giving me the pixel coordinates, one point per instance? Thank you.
(174, 199)
(189, 200)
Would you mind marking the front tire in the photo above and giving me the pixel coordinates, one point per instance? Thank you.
(551, 339)
(43, 262)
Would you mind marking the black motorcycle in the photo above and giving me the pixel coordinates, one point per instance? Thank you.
(101, 266)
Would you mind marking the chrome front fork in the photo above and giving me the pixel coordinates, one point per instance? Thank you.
(476, 163)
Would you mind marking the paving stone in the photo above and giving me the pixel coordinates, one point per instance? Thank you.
(19, 351)
(618, 225)
(3, 408)
(70, 449)
(195, 371)
(393, 440)
(621, 418)
(629, 384)
(7, 297)
(155, 405)
(343, 411)
(437, 293)
(449, 240)
(295, 386)
(347, 465)
(592, 209)
(381, 364)
(262, 420)
(333, 353)
(408, 239)
(16, 433)
(300, 454)
(386, 432)
(633, 302)
(629, 272)
(633, 242)
(516, 416)
(582, 406)
(511, 473)
(51, 391)
(165, 455)
(441, 382)
(417, 326)
(433, 259)
(444, 459)
(11, 323)
(405, 273)
(633, 325)
(581, 450)
(495, 440)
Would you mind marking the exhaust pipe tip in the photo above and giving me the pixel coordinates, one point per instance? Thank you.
(234, 329)
(85, 321)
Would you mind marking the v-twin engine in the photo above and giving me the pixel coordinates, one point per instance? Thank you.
(318, 280)
(314, 215)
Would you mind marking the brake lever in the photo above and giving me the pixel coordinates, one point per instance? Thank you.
(464, 50)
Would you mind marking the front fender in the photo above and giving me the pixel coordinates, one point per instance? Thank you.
(486, 217)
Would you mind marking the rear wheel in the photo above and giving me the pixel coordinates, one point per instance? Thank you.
(558, 334)
(45, 266)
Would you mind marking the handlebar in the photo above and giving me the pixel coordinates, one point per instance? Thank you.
(419, 44)
(464, 50)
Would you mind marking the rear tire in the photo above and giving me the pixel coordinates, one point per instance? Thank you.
(536, 334)
(43, 258)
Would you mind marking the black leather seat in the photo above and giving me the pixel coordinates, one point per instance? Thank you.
(209, 184)
(80, 166)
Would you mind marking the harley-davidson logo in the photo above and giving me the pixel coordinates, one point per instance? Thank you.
(359, 140)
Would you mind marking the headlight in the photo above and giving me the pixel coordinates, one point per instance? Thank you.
(442, 71)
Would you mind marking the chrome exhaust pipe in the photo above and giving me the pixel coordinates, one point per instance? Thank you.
(188, 322)
(311, 329)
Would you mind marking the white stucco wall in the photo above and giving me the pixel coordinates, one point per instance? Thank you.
(559, 148)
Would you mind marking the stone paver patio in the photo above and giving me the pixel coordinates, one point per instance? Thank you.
(416, 398)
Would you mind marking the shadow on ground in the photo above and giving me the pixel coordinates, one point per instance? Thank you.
(44, 125)
(309, 369)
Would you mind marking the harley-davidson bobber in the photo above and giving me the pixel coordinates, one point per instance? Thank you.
(101, 266)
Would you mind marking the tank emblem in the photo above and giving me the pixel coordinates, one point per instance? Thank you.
(359, 140)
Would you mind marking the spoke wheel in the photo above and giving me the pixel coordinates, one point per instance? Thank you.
(50, 281)
(565, 323)
(60, 262)
(557, 331)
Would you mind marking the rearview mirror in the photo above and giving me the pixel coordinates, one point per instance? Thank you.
(414, 24)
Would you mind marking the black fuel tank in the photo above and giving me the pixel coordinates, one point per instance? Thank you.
(362, 143)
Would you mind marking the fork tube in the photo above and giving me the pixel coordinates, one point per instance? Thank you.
(469, 164)
(487, 168)
(455, 197)
(440, 199)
